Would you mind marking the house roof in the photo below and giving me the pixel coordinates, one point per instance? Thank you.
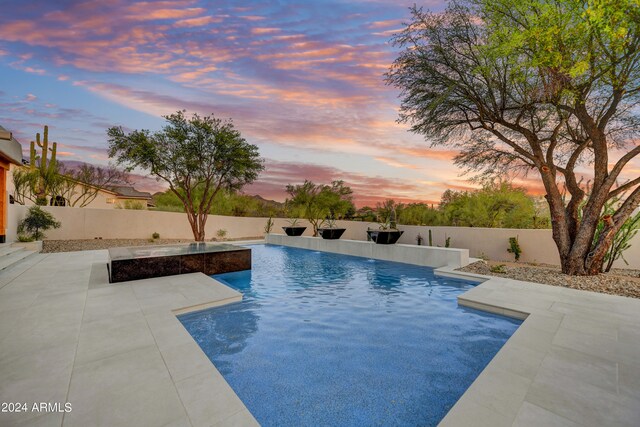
(10, 148)
(130, 192)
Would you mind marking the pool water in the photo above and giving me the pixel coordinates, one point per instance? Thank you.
(335, 340)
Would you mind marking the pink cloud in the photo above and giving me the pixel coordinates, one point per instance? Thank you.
(265, 30)
(385, 24)
(196, 22)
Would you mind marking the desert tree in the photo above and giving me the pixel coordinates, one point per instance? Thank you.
(79, 186)
(197, 157)
(24, 181)
(544, 87)
(317, 202)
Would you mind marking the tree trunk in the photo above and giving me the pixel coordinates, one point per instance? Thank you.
(578, 258)
(197, 226)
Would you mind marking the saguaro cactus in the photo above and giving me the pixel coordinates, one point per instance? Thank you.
(46, 166)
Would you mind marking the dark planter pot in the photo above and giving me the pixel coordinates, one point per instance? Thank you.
(294, 231)
(331, 233)
(385, 237)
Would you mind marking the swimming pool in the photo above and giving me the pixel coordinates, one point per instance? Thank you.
(328, 339)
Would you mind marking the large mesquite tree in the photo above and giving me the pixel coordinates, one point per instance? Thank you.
(547, 87)
(197, 157)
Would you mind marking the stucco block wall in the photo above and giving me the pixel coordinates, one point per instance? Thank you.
(82, 223)
(109, 223)
(410, 254)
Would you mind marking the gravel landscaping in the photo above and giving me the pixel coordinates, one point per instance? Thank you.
(617, 282)
(49, 246)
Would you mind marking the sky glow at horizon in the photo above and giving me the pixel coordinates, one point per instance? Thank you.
(302, 80)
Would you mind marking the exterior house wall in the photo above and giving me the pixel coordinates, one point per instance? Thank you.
(100, 202)
(537, 245)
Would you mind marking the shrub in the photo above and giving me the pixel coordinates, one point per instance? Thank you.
(500, 268)
(221, 233)
(155, 235)
(134, 205)
(25, 238)
(293, 222)
(268, 226)
(514, 248)
(36, 222)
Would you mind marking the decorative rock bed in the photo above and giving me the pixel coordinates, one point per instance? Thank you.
(616, 282)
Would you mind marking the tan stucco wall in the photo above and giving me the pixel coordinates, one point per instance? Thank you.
(537, 245)
(100, 202)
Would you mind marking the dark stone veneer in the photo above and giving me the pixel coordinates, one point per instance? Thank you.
(148, 261)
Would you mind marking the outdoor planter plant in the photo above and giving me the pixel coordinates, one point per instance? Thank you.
(388, 234)
(385, 236)
(331, 232)
(294, 229)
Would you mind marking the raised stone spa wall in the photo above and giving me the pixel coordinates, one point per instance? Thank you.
(410, 254)
(86, 223)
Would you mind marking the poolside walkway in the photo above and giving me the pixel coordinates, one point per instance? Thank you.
(575, 361)
(118, 354)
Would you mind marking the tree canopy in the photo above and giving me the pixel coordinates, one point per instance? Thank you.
(225, 203)
(549, 87)
(197, 157)
(497, 205)
(317, 202)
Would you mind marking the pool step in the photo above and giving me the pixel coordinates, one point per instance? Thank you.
(8, 249)
(10, 256)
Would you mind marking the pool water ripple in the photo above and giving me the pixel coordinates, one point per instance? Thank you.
(327, 339)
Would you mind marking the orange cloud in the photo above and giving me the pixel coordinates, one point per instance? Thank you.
(196, 22)
(154, 13)
(384, 24)
(265, 30)
(396, 163)
(428, 153)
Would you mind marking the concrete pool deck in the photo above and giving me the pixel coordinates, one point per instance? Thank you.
(116, 352)
(575, 360)
(119, 355)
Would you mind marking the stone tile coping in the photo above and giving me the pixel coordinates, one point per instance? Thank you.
(575, 360)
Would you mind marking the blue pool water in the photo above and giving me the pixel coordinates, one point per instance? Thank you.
(327, 339)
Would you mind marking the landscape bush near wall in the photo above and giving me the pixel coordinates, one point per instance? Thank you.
(537, 245)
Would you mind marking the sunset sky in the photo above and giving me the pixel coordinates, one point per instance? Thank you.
(302, 80)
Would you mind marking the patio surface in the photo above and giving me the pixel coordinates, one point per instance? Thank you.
(118, 354)
(575, 360)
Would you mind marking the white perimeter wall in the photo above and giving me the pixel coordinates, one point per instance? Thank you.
(78, 223)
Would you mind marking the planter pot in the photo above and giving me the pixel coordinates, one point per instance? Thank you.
(294, 231)
(385, 237)
(331, 233)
